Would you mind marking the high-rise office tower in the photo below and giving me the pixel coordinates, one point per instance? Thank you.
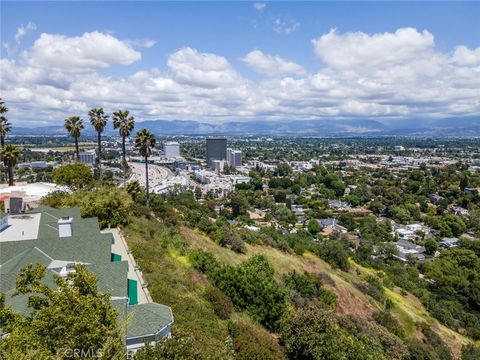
(216, 150)
(236, 158)
(171, 149)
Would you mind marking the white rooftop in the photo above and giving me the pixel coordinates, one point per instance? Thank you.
(21, 227)
(33, 191)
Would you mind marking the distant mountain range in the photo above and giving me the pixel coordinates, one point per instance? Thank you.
(457, 127)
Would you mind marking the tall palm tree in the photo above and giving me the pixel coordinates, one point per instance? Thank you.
(145, 142)
(10, 154)
(74, 126)
(125, 124)
(134, 189)
(5, 127)
(99, 120)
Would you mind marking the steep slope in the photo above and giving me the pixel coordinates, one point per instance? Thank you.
(162, 256)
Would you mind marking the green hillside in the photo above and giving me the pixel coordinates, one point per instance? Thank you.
(162, 252)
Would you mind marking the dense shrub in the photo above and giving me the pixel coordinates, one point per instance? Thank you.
(75, 176)
(386, 319)
(307, 285)
(222, 305)
(203, 261)
(251, 342)
(233, 241)
(335, 252)
(375, 335)
(179, 346)
(251, 286)
(313, 333)
(112, 206)
(470, 352)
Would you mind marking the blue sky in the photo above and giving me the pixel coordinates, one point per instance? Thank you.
(445, 34)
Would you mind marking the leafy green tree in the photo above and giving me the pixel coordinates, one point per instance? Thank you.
(111, 205)
(430, 246)
(71, 315)
(283, 169)
(399, 213)
(98, 119)
(314, 227)
(10, 154)
(335, 252)
(284, 215)
(74, 126)
(145, 143)
(239, 204)
(75, 176)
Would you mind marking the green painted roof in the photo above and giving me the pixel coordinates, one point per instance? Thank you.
(86, 245)
(147, 319)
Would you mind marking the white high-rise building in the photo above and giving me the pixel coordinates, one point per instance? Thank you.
(234, 157)
(218, 165)
(87, 158)
(171, 149)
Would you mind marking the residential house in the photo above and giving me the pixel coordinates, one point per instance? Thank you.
(448, 243)
(435, 199)
(60, 239)
(338, 205)
(407, 249)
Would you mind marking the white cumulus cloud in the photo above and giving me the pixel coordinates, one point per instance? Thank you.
(386, 75)
(271, 65)
(90, 51)
(465, 56)
(190, 66)
(355, 49)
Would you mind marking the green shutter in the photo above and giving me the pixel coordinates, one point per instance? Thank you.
(116, 257)
(132, 292)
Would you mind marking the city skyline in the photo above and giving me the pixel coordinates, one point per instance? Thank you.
(240, 61)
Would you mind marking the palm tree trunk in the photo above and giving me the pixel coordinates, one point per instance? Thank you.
(10, 175)
(146, 179)
(124, 156)
(124, 163)
(76, 149)
(99, 158)
(2, 143)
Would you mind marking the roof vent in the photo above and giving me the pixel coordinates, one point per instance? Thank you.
(65, 226)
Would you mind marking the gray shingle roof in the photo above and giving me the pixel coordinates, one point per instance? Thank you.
(148, 319)
(86, 245)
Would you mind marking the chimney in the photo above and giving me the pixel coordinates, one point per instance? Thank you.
(65, 226)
